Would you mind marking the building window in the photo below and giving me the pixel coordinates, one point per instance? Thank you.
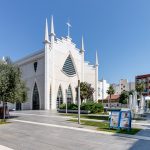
(68, 67)
(59, 97)
(35, 66)
(35, 98)
(69, 95)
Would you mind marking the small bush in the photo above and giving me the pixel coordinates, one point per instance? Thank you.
(97, 107)
(72, 106)
(69, 106)
(62, 106)
(93, 107)
(87, 106)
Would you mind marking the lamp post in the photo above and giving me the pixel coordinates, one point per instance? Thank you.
(66, 101)
(102, 90)
(59, 101)
(78, 101)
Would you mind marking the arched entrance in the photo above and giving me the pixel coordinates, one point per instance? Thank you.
(59, 97)
(18, 106)
(35, 98)
(69, 95)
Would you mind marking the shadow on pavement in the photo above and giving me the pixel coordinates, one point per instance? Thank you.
(12, 117)
(141, 145)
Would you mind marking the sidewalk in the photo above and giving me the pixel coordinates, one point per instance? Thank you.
(4, 148)
(135, 123)
(55, 119)
(139, 137)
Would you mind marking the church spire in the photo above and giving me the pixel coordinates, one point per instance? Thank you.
(82, 45)
(96, 61)
(3, 58)
(68, 26)
(52, 34)
(46, 32)
(52, 27)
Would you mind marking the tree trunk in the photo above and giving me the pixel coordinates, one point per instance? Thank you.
(4, 110)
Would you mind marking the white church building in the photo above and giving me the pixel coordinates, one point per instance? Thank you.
(52, 74)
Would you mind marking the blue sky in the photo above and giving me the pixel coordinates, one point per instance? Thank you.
(118, 29)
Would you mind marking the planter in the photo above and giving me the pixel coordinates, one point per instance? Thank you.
(73, 111)
(110, 109)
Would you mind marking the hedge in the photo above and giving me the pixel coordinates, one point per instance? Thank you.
(93, 107)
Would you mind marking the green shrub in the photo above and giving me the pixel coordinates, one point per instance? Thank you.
(72, 106)
(93, 107)
(69, 106)
(62, 106)
(87, 106)
(97, 107)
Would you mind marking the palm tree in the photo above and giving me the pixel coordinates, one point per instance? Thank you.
(110, 91)
(140, 88)
(131, 92)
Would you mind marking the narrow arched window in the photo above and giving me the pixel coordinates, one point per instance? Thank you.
(35, 66)
(69, 95)
(35, 98)
(59, 97)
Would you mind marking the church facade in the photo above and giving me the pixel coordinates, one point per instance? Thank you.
(52, 74)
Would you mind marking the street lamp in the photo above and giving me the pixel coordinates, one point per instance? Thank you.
(59, 100)
(66, 100)
(78, 101)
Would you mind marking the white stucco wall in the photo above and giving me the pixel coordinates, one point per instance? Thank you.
(61, 49)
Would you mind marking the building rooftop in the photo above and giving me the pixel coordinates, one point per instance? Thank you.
(142, 76)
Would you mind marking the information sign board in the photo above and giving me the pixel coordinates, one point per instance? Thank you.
(125, 119)
(114, 119)
(120, 119)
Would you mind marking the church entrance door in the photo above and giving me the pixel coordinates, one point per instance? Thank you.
(18, 106)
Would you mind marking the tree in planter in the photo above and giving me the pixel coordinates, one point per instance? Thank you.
(110, 91)
(12, 88)
(124, 97)
(86, 91)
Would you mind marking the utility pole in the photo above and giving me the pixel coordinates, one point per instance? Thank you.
(59, 101)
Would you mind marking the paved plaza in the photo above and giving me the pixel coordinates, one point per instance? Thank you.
(45, 130)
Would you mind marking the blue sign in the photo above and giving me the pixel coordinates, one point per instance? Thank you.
(120, 119)
(125, 119)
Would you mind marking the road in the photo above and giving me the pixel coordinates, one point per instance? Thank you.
(45, 130)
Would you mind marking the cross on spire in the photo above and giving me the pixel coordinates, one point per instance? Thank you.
(69, 26)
